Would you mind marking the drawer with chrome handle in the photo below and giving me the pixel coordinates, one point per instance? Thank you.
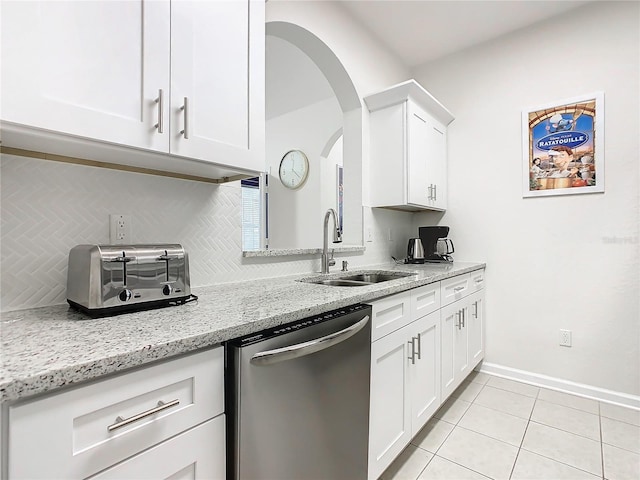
(89, 428)
(477, 280)
(454, 288)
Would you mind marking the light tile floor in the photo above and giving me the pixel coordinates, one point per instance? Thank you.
(496, 428)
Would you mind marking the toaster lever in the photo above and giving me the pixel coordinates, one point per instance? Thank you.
(166, 257)
(123, 259)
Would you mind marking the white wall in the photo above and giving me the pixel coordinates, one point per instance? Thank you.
(48, 207)
(295, 216)
(564, 262)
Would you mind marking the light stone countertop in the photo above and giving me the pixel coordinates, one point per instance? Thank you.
(51, 347)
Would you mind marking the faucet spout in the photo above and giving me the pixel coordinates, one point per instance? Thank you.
(337, 238)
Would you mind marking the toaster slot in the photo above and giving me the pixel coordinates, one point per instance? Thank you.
(173, 265)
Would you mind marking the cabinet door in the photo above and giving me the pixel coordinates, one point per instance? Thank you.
(418, 138)
(89, 69)
(454, 348)
(196, 454)
(437, 165)
(475, 325)
(389, 415)
(424, 372)
(462, 342)
(217, 81)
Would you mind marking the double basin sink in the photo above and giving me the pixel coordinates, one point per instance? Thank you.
(359, 279)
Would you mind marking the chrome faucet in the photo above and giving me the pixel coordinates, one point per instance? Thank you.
(337, 238)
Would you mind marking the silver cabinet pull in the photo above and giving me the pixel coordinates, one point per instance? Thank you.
(459, 324)
(458, 289)
(418, 338)
(462, 316)
(430, 189)
(475, 314)
(413, 350)
(435, 192)
(122, 422)
(305, 348)
(160, 102)
(185, 109)
(479, 281)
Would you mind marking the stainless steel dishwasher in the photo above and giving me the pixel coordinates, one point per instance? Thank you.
(297, 399)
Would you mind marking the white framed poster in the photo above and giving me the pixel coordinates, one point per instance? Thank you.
(563, 147)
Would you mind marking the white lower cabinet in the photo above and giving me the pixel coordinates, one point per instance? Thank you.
(419, 363)
(424, 374)
(389, 412)
(159, 421)
(462, 340)
(405, 375)
(195, 454)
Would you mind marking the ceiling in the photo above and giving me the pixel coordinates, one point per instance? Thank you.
(420, 31)
(416, 31)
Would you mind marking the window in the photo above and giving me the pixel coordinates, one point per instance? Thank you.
(250, 213)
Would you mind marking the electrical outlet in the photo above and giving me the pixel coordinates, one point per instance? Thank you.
(565, 338)
(119, 229)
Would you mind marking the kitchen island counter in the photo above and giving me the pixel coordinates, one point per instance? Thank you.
(53, 347)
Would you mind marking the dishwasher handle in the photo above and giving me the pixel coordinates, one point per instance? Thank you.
(305, 348)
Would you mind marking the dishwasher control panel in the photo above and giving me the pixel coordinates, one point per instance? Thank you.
(297, 325)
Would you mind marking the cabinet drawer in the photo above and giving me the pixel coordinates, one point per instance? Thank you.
(454, 288)
(389, 314)
(424, 300)
(196, 454)
(79, 432)
(476, 280)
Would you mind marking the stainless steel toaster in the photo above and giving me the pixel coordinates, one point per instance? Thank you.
(109, 279)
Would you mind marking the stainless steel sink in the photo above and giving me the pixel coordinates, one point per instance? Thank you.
(375, 277)
(358, 279)
(337, 282)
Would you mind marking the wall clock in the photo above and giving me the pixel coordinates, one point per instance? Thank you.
(294, 169)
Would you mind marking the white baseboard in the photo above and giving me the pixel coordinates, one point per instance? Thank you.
(553, 383)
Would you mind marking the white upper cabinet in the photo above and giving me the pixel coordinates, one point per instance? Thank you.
(91, 69)
(408, 168)
(117, 72)
(223, 88)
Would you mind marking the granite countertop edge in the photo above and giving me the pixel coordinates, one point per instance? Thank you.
(48, 348)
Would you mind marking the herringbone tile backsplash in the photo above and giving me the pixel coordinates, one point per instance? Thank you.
(49, 207)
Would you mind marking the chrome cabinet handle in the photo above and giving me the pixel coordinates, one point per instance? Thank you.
(459, 324)
(122, 422)
(458, 289)
(462, 316)
(418, 338)
(430, 194)
(435, 192)
(305, 348)
(479, 280)
(185, 109)
(160, 102)
(413, 350)
(475, 304)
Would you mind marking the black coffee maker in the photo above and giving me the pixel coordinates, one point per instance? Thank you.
(437, 247)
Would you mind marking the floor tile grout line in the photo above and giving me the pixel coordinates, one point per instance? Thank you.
(561, 462)
(524, 434)
(566, 431)
(544, 456)
(460, 465)
(555, 427)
